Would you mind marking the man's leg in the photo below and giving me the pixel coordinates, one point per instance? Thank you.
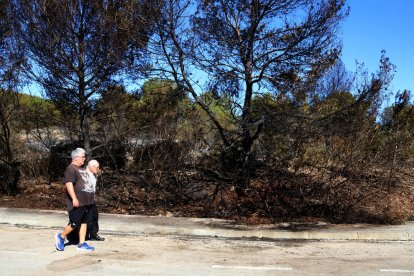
(82, 233)
(60, 238)
(86, 221)
(94, 226)
(95, 217)
(73, 236)
(75, 219)
(66, 232)
(83, 246)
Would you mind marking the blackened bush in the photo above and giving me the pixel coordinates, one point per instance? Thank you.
(60, 158)
(110, 155)
(164, 155)
(9, 177)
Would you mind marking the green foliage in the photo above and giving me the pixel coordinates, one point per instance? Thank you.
(78, 48)
(221, 107)
(161, 104)
(35, 113)
(114, 109)
(160, 95)
(397, 123)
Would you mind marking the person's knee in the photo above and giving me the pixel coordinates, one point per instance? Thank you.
(73, 224)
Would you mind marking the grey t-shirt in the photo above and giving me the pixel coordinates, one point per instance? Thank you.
(84, 185)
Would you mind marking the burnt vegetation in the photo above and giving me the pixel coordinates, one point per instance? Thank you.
(240, 110)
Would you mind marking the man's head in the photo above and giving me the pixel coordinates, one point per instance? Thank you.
(93, 166)
(78, 156)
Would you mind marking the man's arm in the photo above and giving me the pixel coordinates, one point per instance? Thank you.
(71, 191)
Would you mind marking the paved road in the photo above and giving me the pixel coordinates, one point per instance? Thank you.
(132, 224)
(141, 245)
(30, 251)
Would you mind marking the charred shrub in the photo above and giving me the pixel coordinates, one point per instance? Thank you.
(60, 158)
(9, 177)
(164, 155)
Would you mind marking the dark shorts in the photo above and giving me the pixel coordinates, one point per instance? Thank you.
(80, 215)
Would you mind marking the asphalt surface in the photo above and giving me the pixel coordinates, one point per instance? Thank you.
(160, 225)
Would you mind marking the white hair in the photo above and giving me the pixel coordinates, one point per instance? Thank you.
(93, 163)
(77, 152)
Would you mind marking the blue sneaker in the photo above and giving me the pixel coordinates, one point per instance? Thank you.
(85, 247)
(60, 242)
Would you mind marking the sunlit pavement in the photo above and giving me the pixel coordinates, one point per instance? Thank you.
(150, 225)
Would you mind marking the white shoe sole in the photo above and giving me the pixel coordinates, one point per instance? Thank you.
(83, 249)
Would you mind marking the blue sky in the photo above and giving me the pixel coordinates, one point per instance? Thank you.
(375, 25)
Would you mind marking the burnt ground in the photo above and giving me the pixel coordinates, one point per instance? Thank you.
(282, 197)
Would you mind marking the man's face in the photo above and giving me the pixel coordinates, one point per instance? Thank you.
(94, 169)
(80, 159)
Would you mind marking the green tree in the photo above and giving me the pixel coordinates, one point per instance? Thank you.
(77, 48)
(345, 136)
(114, 126)
(398, 126)
(39, 118)
(10, 59)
